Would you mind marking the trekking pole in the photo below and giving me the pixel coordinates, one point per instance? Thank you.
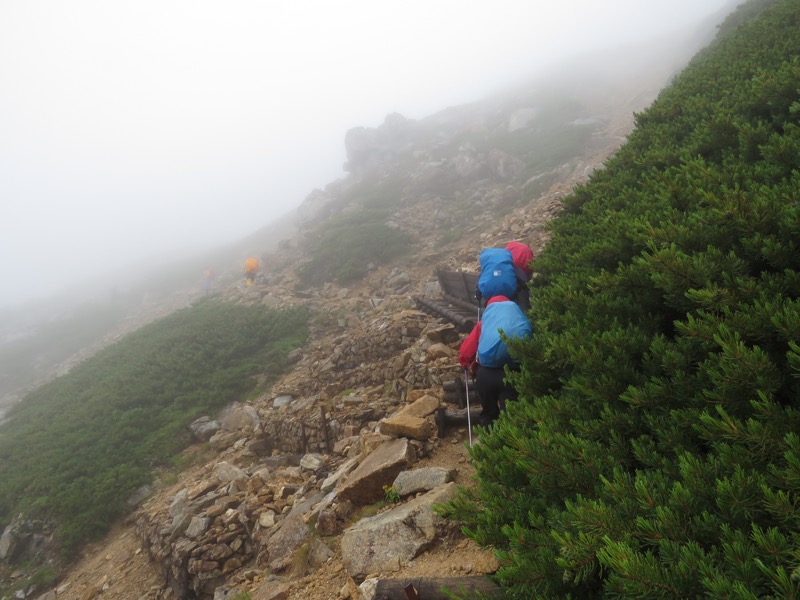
(469, 419)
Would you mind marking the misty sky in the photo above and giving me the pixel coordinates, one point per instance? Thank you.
(134, 129)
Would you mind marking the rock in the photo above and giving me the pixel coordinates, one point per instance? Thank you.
(8, 544)
(327, 522)
(284, 460)
(89, 593)
(365, 484)
(319, 553)
(372, 440)
(331, 481)
(422, 480)
(421, 407)
(267, 519)
(238, 417)
(285, 491)
(398, 279)
(350, 590)
(290, 535)
(226, 472)
(272, 590)
(200, 489)
(260, 445)
(312, 462)
(407, 426)
(217, 553)
(432, 289)
(204, 428)
(196, 566)
(441, 334)
(197, 526)
(341, 446)
(368, 588)
(386, 542)
(352, 400)
(223, 439)
(254, 485)
(281, 401)
(440, 350)
(179, 511)
(139, 495)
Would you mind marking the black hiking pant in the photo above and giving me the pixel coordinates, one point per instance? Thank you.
(493, 392)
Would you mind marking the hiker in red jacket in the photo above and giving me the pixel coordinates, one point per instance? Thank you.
(485, 353)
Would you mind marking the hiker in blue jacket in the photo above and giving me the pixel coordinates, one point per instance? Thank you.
(485, 353)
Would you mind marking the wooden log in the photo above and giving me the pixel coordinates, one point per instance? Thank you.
(465, 323)
(460, 398)
(461, 303)
(455, 385)
(448, 311)
(433, 588)
(454, 418)
(453, 398)
(324, 423)
(455, 392)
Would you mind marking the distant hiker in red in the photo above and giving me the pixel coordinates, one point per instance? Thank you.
(486, 353)
(209, 279)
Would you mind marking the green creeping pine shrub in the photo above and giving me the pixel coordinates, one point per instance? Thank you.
(655, 448)
(74, 450)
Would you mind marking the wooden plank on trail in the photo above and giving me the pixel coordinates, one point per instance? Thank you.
(459, 284)
(458, 303)
(432, 588)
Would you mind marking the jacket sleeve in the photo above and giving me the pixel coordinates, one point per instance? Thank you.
(469, 347)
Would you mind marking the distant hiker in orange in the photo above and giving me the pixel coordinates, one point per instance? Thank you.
(250, 270)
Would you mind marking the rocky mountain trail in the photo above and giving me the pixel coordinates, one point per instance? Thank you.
(268, 510)
(299, 493)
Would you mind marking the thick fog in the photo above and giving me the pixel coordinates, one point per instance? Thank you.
(132, 130)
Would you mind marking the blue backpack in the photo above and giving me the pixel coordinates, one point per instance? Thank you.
(508, 318)
(497, 277)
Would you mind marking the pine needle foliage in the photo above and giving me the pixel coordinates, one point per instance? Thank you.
(655, 449)
(74, 450)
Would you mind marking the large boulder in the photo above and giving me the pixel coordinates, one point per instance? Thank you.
(9, 544)
(291, 534)
(204, 428)
(378, 470)
(386, 542)
(407, 426)
(422, 480)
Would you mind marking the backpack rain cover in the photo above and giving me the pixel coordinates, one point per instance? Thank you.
(508, 318)
(497, 277)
